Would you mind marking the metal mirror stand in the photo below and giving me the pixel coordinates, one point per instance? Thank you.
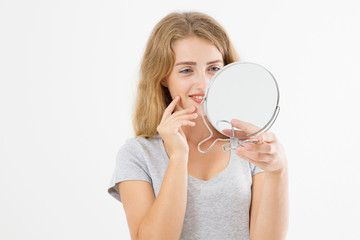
(234, 142)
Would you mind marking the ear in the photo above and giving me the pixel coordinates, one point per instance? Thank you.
(164, 83)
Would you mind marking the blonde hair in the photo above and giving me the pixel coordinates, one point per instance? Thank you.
(158, 60)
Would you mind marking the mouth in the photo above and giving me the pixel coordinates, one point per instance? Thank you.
(198, 98)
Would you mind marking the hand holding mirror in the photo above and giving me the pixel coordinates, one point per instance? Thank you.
(241, 102)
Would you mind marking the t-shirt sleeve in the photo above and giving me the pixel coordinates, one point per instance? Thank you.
(130, 165)
(255, 169)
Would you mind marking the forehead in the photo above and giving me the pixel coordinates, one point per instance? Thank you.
(195, 49)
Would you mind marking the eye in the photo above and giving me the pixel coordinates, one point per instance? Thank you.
(187, 70)
(214, 68)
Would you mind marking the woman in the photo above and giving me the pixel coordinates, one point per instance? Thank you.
(169, 189)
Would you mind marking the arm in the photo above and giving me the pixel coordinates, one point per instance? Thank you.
(163, 217)
(269, 207)
(157, 218)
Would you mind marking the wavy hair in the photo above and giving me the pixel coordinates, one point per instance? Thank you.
(152, 98)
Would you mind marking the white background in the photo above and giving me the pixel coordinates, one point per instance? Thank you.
(68, 72)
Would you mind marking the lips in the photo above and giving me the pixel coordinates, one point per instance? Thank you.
(197, 94)
(198, 98)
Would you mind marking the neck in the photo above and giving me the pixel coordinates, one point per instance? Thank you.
(194, 135)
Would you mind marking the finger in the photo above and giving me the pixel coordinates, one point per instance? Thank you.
(184, 111)
(261, 148)
(268, 137)
(170, 108)
(253, 156)
(250, 156)
(237, 133)
(180, 123)
(241, 151)
(182, 117)
(244, 126)
(181, 132)
(262, 165)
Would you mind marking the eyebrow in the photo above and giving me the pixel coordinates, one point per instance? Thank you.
(194, 63)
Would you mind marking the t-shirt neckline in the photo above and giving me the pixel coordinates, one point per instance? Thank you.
(191, 178)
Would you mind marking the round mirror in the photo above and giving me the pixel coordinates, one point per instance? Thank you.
(243, 91)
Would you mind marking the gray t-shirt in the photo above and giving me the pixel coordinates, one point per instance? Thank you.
(216, 209)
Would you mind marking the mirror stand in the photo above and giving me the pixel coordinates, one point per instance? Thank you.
(211, 133)
(234, 142)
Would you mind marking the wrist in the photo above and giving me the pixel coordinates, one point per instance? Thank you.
(279, 172)
(179, 157)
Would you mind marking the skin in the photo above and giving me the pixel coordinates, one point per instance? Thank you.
(196, 62)
(181, 129)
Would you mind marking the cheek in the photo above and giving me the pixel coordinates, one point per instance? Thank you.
(178, 89)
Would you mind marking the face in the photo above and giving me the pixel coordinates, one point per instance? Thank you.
(196, 62)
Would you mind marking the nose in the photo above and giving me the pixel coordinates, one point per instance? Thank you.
(203, 80)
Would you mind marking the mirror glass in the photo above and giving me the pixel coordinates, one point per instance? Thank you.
(244, 91)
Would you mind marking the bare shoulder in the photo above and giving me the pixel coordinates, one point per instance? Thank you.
(137, 198)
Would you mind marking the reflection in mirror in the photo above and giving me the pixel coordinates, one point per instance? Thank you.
(241, 94)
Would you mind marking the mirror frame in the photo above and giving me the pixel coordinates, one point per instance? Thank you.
(235, 141)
